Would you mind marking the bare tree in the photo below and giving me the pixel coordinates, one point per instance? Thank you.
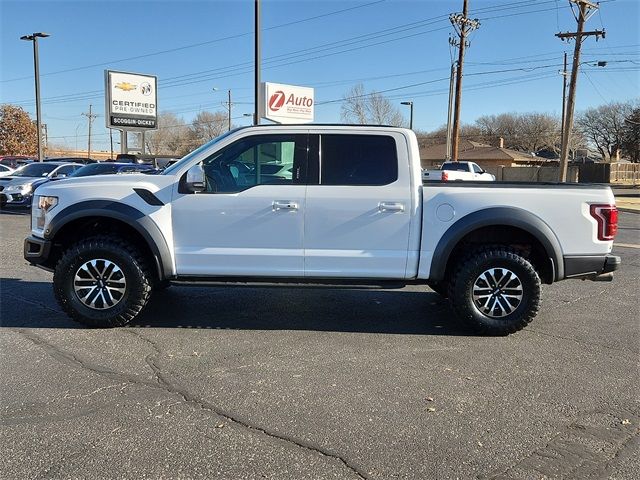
(18, 133)
(173, 137)
(439, 136)
(528, 132)
(369, 108)
(631, 136)
(207, 126)
(604, 126)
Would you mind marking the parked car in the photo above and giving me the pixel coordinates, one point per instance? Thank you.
(458, 171)
(107, 168)
(83, 160)
(17, 189)
(5, 171)
(355, 212)
(15, 161)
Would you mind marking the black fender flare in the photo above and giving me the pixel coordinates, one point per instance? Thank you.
(127, 214)
(497, 216)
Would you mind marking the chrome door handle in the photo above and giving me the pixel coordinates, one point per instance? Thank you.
(284, 205)
(391, 207)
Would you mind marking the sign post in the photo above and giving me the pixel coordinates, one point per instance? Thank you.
(131, 103)
(287, 103)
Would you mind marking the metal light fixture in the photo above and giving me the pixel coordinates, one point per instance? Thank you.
(36, 67)
(411, 115)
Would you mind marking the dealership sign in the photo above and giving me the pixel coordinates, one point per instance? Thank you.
(286, 103)
(131, 101)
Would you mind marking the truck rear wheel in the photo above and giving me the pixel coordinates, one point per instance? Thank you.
(102, 281)
(496, 290)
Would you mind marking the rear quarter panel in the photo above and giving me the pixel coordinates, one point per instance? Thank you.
(565, 209)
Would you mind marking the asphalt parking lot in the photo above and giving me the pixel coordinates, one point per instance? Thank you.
(319, 383)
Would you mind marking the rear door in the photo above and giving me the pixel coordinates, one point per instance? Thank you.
(358, 212)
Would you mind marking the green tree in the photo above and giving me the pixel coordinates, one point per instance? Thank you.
(18, 133)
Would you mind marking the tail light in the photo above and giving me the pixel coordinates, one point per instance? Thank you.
(607, 218)
(445, 176)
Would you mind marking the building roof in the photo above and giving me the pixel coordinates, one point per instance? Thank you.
(477, 152)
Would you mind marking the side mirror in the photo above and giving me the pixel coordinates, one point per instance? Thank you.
(195, 181)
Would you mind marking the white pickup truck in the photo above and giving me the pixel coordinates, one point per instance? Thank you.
(339, 205)
(458, 171)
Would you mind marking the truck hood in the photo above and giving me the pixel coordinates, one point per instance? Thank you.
(99, 185)
(7, 181)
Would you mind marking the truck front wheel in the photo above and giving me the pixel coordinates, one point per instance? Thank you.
(496, 290)
(102, 281)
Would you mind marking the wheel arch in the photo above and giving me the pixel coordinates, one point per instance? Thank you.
(500, 225)
(84, 218)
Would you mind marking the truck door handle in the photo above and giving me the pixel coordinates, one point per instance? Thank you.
(284, 205)
(391, 207)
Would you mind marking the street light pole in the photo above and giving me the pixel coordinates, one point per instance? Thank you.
(411, 114)
(36, 68)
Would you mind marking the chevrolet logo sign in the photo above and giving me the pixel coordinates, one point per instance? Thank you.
(126, 86)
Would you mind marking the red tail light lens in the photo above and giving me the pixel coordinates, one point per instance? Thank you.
(445, 176)
(607, 218)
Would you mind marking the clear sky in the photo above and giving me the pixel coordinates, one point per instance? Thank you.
(394, 46)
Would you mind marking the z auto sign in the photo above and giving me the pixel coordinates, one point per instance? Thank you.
(287, 103)
(131, 101)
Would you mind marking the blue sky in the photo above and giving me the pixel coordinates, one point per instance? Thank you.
(394, 46)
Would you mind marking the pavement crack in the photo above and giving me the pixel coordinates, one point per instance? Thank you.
(162, 382)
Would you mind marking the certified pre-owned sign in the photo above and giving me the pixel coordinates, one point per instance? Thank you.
(131, 101)
(287, 103)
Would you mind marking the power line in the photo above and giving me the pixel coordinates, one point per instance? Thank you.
(245, 67)
(199, 44)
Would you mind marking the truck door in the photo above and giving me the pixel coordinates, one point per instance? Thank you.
(359, 211)
(249, 220)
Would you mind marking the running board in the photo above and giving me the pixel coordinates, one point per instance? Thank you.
(271, 282)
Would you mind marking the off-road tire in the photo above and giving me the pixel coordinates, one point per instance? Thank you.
(468, 271)
(132, 265)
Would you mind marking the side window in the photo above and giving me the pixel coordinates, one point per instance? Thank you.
(358, 160)
(257, 160)
(66, 170)
(476, 168)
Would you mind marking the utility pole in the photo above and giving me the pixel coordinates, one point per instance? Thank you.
(564, 74)
(256, 86)
(450, 109)
(463, 26)
(111, 140)
(45, 132)
(228, 104)
(585, 10)
(90, 117)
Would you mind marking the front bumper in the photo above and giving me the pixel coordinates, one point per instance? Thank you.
(591, 267)
(15, 199)
(37, 250)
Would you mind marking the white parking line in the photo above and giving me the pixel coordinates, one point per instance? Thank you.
(626, 245)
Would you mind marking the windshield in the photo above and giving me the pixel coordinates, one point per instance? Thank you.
(189, 156)
(35, 170)
(459, 166)
(95, 169)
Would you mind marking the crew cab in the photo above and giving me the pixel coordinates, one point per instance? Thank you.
(458, 171)
(348, 207)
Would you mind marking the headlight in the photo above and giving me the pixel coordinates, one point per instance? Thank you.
(47, 203)
(44, 204)
(24, 188)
